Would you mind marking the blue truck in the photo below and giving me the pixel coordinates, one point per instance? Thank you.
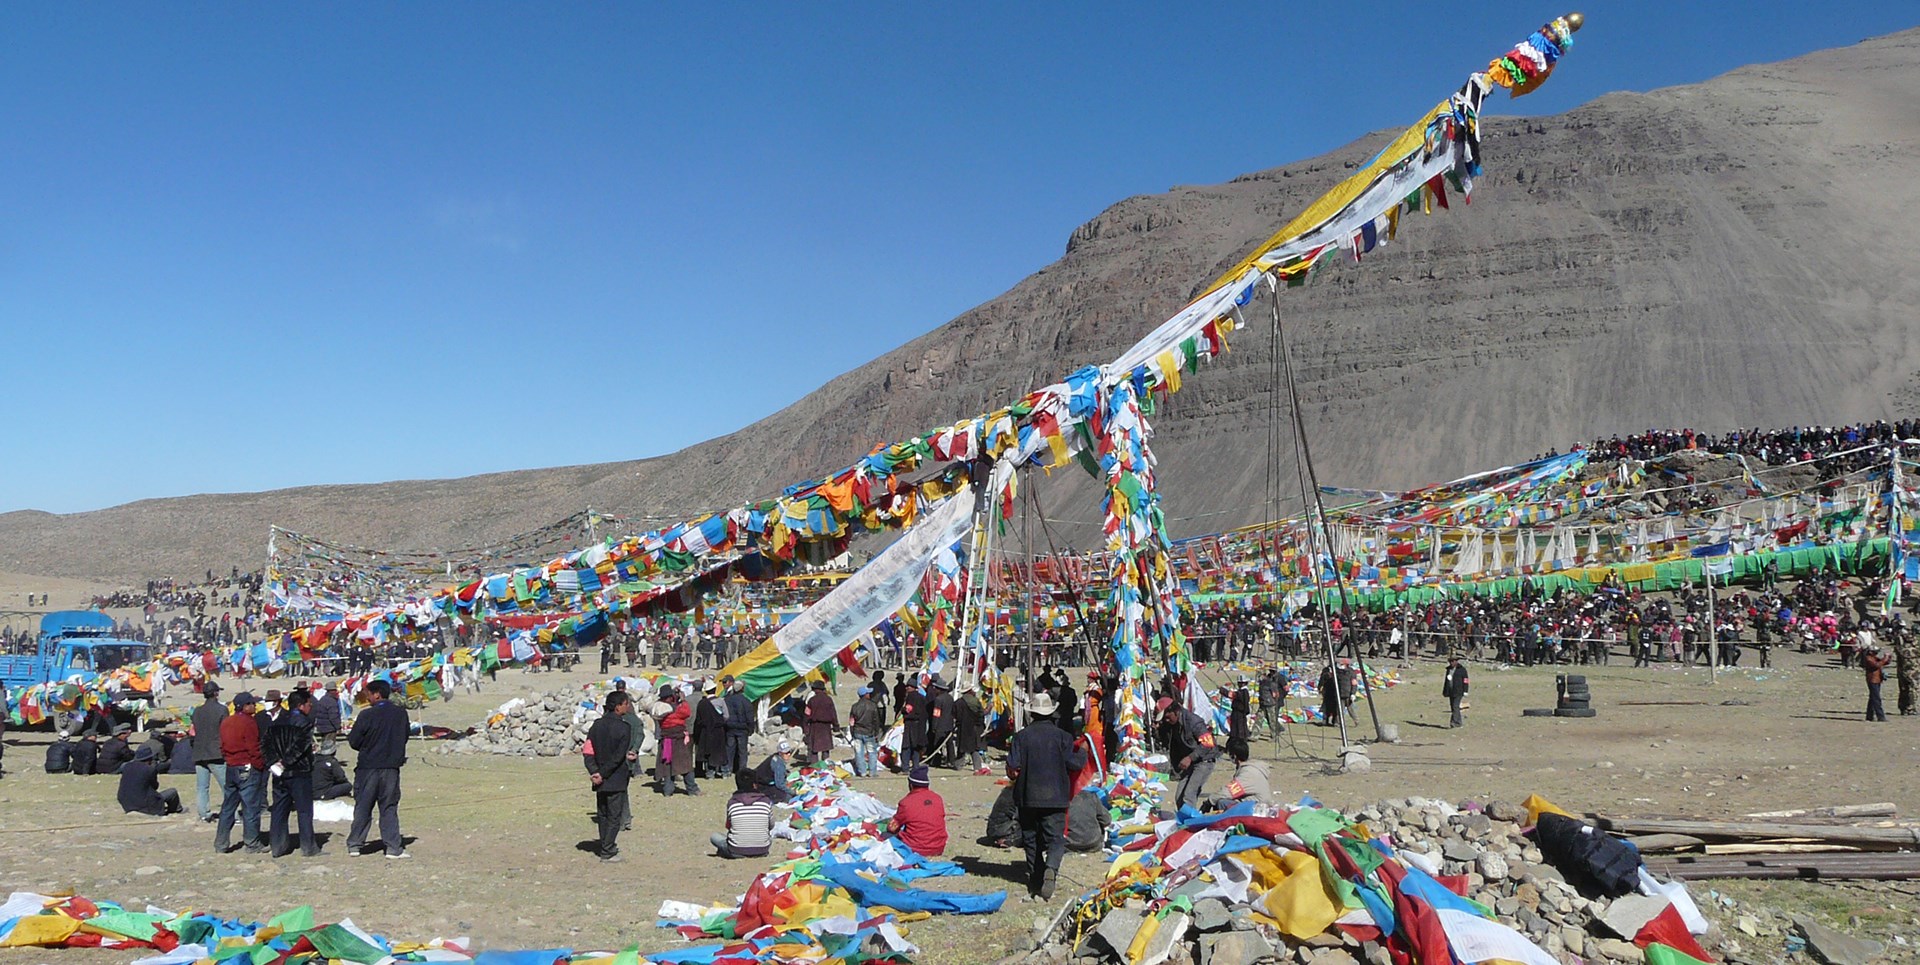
(75, 646)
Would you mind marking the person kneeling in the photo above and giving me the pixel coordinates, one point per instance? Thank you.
(749, 831)
(329, 778)
(1252, 780)
(140, 788)
(920, 820)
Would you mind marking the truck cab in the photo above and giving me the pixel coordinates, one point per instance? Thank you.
(75, 647)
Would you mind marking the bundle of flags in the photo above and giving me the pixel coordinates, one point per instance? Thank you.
(1310, 873)
(839, 894)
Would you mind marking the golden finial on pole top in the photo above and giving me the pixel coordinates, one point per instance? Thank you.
(1576, 20)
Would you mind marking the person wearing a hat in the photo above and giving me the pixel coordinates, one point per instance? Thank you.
(245, 778)
(328, 717)
(940, 723)
(710, 731)
(270, 707)
(1190, 747)
(1041, 763)
(740, 725)
(675, 760)
(866, 728)
(116, 752)
(916, 713)
(140, 790)
(209, 766)
(920, 819)
(821, 717)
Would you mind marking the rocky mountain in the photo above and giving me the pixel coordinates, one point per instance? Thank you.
(1738, 251)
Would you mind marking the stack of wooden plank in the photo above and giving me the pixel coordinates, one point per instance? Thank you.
(1863, 841)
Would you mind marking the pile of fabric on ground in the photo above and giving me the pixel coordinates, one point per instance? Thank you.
(1407, 881)
(843, 894)
(844, 890)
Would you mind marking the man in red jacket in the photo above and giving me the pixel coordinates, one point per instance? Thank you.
(246, 776)
(920, 820)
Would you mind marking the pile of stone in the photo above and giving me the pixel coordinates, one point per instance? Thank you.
(538, 725)
(1504, 871)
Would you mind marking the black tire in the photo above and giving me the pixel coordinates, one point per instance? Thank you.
(1572, 705)
(1574, 680)
(1574, 712)
(1537, 712)
(1577, 695)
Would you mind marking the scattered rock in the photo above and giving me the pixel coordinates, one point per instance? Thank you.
(147, 871)
(1492, 867)
(1210, 915)
(1234, 948)
(1116, 931)
(1616, 950)
(1627, 915)
(1835, 948)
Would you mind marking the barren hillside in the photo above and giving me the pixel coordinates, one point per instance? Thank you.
(1733, 252)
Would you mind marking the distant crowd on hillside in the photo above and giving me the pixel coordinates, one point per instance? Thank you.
(195, 598)
(1775, 447)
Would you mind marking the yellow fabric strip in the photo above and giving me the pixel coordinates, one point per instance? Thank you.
(1342, 194)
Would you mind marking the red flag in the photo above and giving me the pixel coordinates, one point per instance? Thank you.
(1669, 929)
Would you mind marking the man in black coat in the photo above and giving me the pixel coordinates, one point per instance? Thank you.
(710, 732)
(1041, 763)
(941, 711)
(140, 789)
(116, 752)
(610, 768)
(60, 755)
(1454, 688)
(917, 712)
(288, 749)
(86, 755)
(740, 725)
(380, 736)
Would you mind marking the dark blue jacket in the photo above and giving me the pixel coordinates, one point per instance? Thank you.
(380, 735)
(326, 713)
(1044, 761)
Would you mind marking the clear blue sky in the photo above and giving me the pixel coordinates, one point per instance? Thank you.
(247, 246)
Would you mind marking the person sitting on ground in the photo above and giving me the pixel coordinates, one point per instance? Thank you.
(180, 757)
(86, 754)
(920, 819)
(116, 752)
(140, 789)
(749, 832)
(772, 772)
(1252, 780)
(1087, 822)
(1003, 822)
(329, 778)
(60, 754)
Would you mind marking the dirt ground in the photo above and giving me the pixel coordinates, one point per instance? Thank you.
(498, 843)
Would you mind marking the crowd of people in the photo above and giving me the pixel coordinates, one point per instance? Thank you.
(1774, 447)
